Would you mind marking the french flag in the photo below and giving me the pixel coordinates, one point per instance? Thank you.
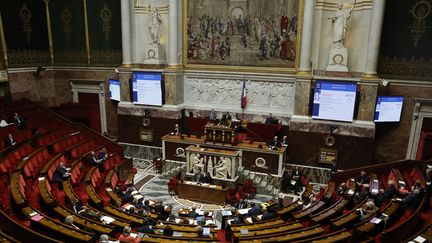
(243, 98)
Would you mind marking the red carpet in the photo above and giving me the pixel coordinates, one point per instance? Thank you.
(221, 236)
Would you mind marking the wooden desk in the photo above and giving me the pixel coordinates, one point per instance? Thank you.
(63, 231)
(174, 145)
(194, 192)
(259, 225)
(328, 213)
(308, 211)
(269, 231)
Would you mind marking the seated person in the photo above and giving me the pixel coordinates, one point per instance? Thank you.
(286, 180)
(92, 159)
(412, 200)
(275, 143)
(159, 207)
(240, 204)
(18, 120)
(212, 115)
(192, 212)
(363, 179)
(369, 211)
(255, 210)
(127, 197)
(103, 155)
(104, 238)
(268, 214)
(165, 214)
(60, 173)
(207, 178)
(284, 142)
(69, 221)
(168, 231)
(118, 190)
(126, 237)
(418, 185)
(224, 121)
(200, 231)
(74, 205)
(342, 189)
(296, 184)
(198, 177)
(177, 130)
(9, 141)
(388, 193)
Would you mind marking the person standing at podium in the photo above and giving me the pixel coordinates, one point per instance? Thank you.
(275, 143)
(177, 130)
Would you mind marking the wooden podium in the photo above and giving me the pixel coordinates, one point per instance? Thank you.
(220, 134)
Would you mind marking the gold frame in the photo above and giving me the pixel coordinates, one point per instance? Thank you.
(215, 67)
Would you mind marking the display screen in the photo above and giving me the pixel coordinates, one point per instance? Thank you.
(388, 108)
(147, 88)
(334, 100)
(114, 89)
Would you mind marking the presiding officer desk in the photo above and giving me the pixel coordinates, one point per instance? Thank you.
(202, 192)
(269, 160)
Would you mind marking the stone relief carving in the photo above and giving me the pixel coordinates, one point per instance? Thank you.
(261, 95)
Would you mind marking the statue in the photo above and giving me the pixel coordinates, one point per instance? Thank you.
(338, 56)
(197, 163)
(222, 167)
(340, 23)
(155, 26)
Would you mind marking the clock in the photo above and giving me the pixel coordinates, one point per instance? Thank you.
(146, 122)
(151, 54)
(338, 59)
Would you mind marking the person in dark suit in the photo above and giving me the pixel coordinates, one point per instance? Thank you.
(207, 178)
(269, 119)
(275, 143)
(334, 167)
(268, 214)
(296, 176)
(192, 213)
(412, 200)
(127, 197)
(103, 155)
(18, 120)
(255, 210)
(9, 141)
(168, 231)
(284, 142)
(177, 131)
(198, 176)
(286, 180)
(159, 208)
(418, 185)
(363, 178)
(74, 205)
(240, 204)
(58, 175)
(388, 193)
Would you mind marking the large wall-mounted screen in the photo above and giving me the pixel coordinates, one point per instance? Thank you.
(388, 108)
(147, 88)
(114, 89)
(334, 100)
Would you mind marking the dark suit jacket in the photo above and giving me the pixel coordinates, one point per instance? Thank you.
(8, 142)
(390, 192)
(363, 180)
(192, 214)
(254, 211)
(238, 204)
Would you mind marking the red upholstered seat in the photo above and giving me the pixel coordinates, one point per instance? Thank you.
(233, 196)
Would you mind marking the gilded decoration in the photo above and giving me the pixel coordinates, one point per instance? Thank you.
(71, 57)
(26, 16)
(66, 17)
(419, 11)
(26, 57)
(106, 15)
(242, 33)
(106, 56)
(406, 68)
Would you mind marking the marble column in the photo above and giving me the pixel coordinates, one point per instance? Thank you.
(306, 45)
(173, 33)
(374, 40)
(368, 94)
(124, 76)
(126, 31)
(302, 94)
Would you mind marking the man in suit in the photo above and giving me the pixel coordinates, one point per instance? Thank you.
(286, 180)
(284, 141)
(9, 141)
(363, 178)
(198, 177)
(177, 130)
(269, 119)
(296, 177)
(192, 212)
(268, 213)
(412, 200)
(60, 172)
(240, 204)
(275, 143)
(255, 210)
(19, 121)
(388, 193)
